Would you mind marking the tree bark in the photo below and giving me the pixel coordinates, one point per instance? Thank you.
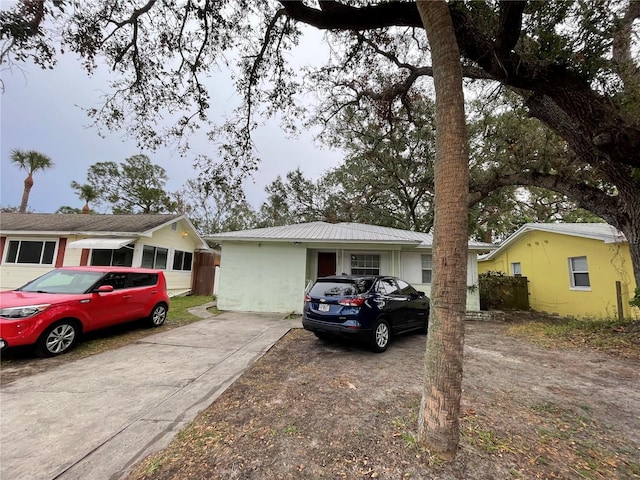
(439, 428)
(28, 184)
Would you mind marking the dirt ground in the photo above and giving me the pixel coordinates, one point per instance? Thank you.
(330, 410)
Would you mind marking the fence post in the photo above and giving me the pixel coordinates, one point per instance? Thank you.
(619, 300)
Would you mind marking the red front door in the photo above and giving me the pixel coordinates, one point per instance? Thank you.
(326, 264)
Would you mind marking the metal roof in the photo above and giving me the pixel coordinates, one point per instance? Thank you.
(323, 232)
(597, 231)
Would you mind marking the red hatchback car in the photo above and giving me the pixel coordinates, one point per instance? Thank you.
(52, 311)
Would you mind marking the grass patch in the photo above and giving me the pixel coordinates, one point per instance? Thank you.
(582, 444)
(616, 337)
(179, 310)
(477, 433)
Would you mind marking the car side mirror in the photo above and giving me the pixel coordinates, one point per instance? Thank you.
(420, 293)
(105, 288)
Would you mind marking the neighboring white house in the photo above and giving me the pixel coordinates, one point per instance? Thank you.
(31, 244)
(268, 269)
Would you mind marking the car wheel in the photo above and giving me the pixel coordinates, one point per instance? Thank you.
(380, 336)
(58, 338)
(158, 315)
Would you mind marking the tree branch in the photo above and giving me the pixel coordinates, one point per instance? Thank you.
(622, 56)
(338, 16)
(509, 26)
(585, 196)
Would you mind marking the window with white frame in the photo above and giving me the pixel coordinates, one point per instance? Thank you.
(365, 264)
(182, 260)
(579, 272)
(35, 252)
(516, 269)
(154, 257)
(121, 257)
(427, 267)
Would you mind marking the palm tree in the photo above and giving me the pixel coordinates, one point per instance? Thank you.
(31, 161)
(439, 426)
(87, 193)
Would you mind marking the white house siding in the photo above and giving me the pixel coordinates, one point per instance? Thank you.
(404, 264)
(411, 271)
(14, 276)
(178, 281)
(264, 277)
(72, 255)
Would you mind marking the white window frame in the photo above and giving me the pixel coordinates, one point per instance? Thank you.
(573, 271)
(112, 253)
(155, 257)
(365, 256)
(426, 267)
(41, 240)
(516, 269)
(183, 252)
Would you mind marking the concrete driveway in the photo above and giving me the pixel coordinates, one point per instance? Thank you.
(96, 417)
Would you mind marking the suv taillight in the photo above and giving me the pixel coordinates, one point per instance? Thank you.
(307, 298)
(352, 302)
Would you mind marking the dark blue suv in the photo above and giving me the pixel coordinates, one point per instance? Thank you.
(362, 307)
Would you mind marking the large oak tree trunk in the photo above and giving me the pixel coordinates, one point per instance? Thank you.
(440, 407)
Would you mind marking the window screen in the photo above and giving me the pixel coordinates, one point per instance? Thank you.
(365, 264)
(579, 272)
(427, 267)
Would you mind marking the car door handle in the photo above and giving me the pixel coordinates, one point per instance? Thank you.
(127, 296)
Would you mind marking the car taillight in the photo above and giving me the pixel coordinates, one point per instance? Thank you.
(351, 302)
(307, 298)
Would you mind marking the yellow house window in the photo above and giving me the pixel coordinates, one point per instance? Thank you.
(579, 272)
(516, 269)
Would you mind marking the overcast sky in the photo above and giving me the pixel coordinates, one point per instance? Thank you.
(40, 110)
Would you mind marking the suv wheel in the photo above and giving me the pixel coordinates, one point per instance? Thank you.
(380, 336)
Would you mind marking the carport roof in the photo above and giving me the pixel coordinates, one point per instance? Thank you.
(323, 232)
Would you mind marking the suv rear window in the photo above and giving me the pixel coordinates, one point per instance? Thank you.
(335, 288)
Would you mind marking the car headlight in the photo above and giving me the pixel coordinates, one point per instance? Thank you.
(23, 312)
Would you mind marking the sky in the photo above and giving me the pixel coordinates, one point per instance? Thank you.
(40, 110)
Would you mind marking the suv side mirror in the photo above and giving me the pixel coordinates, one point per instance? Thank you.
(105, 289)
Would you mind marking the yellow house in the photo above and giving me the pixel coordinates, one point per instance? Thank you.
(581, 270)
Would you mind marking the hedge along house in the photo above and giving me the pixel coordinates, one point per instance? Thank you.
(573, 269)
(268, 269)
(31, 244)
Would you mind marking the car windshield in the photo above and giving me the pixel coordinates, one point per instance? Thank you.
(63, 281)
(335, 288)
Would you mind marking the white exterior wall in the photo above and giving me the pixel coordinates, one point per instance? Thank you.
(178, 281)
(15, 275)
(411, 271)
(12, 277)
(262, 277)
